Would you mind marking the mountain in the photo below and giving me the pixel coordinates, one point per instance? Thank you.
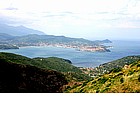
(18, 30)
(35, 38)
(52, 40)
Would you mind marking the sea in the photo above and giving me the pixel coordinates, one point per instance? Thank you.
(119, 49)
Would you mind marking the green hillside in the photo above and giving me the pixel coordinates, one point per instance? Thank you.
(20, 78)
(22, 74)
(64, 66)
(51, 63)
(116, 64)
(125, 80)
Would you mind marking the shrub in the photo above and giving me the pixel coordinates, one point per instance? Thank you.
(139, 78)
(122, 80)
(103, 80)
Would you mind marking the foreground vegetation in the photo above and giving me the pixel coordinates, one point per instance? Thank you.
(22, 74)
(26, 78)
(107, 67)
(125, 80)
(52, 63)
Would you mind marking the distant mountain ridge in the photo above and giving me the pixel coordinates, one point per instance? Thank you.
(51, 40)
(35, 38)
(21, 36)
(18, 30)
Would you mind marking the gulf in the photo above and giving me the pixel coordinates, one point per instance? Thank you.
(119, 49)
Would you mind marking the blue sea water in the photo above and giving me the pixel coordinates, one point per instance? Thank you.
(82, 58)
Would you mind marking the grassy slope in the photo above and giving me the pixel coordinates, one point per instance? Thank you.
(121, 81)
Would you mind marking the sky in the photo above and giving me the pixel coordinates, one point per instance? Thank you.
(90, 19)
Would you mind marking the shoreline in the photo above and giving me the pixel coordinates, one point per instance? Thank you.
(88, 48)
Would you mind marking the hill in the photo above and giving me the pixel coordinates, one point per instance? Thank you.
(23, 74)
(7, 46)
(18, 31)
(125, 80)
(103, 41)
(63, 66)
(51, 40)
(6, 37)
(27, 79)
(35, 38)
(107, 67)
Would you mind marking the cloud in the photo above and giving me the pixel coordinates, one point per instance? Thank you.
(11, 8)
(73, 17)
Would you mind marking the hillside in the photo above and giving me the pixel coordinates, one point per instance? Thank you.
(52, 63)
(107, 67)
(18, 30)
(7, 46)
(51, 40)
(23, 74)
(35, 38)
(27, 79)
(125, 80)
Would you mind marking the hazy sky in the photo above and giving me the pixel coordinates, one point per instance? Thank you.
(90, 19)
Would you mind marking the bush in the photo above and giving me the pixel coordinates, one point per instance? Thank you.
(102, 80)
(139, 78)
(122, 80)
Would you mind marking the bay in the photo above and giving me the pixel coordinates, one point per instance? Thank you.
(82, 58)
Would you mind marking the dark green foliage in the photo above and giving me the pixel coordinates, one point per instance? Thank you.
(36, 75)
(102, 80)
(138, 65)
(65, 66)
(139, 78)
(25, 78)
(122, 80)
(84, 84)
(10, 57)
(58, 64)
(51, 63)
(130, 72)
